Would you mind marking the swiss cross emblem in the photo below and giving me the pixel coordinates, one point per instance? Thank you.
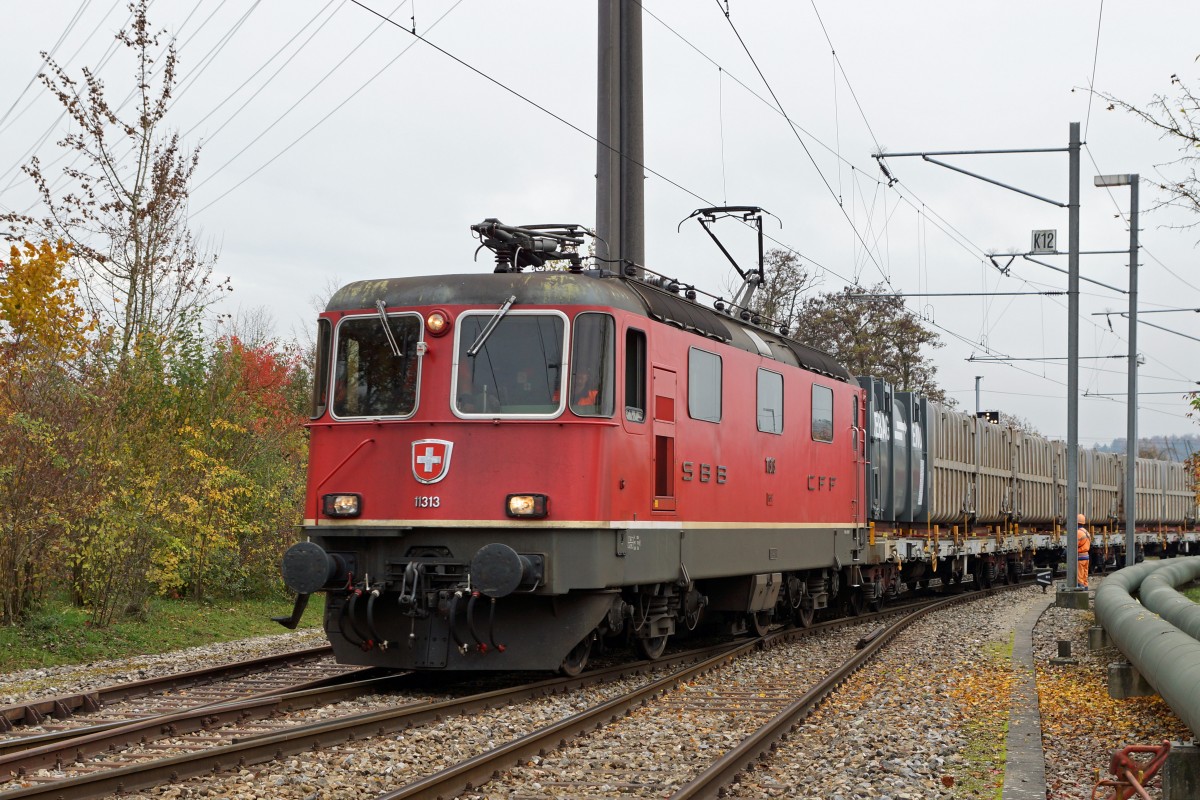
(431, 459)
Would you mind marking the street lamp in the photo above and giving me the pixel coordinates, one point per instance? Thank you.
(1131, 444)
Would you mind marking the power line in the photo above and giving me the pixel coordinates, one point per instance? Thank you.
(1092, 81)
(255, 74)
(45, 60)
(339, 106)
(807, 152)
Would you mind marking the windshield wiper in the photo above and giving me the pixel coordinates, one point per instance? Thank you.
(491, 326)
(387, 329)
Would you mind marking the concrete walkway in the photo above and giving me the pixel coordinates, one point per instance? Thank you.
(1025, 772)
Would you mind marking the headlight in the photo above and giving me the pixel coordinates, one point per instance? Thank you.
(341, 505)
(437, 322)
(533, 506)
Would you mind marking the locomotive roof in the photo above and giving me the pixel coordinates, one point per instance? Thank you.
(564, 288)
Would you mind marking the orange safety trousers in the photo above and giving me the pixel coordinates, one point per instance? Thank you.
(1084, 546)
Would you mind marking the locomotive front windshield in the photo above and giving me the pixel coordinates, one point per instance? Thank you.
(516, 367)
(370, 378)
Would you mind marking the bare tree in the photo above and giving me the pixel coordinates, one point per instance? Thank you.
(1177, 118)
(785, 279)
(872, 334)
(1018, 422)
(124, 208)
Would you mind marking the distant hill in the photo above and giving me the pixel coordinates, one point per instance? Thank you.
(1170, 448)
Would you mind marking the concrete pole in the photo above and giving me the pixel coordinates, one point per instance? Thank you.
(1073, 361)
(620, 182)
(1131, 449)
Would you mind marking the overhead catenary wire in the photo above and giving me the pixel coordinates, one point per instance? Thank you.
(939, 222)
(874, 237)
(799, 139)
(779, 109)
(333, 111)
(45, 60)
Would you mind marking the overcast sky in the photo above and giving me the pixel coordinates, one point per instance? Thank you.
(336, 148)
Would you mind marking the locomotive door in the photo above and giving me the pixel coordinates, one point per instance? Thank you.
(858, 440)
(664, 439)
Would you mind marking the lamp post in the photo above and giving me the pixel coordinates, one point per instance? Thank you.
(1131, 420)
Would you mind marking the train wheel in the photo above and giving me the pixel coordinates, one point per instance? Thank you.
(760, 622)
(983, 579)
(577, 659)
(804, 616)
(876, 602)
(651, 648)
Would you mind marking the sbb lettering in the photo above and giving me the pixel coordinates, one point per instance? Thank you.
(703, 472)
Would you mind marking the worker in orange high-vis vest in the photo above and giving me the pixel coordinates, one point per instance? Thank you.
(1084, 547)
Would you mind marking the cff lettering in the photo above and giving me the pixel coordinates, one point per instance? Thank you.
(821, 483)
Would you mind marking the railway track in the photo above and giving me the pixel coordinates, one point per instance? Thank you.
(245, 747)
(254, 673)
(758, 709)
(75, 772)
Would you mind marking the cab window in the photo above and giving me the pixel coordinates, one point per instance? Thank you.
(370, 378)
(320, 387)
(516, 367)
(593, 355)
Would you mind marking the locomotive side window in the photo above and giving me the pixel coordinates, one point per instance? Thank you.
(593, 368)
(635, 375)
(371, 380)
(822, 413)
(704, 385)
(516, 368)
(770, 401)
(320, 387)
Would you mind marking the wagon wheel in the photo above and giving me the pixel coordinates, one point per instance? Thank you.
(804, 616)
(760, 622)
(574, 662)
(982, 579)
(858, 602)
(651, 648)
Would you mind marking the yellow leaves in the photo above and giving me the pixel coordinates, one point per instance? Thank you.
(1071, 697)
(39, 315)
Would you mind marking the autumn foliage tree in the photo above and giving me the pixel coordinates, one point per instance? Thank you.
(43, 335)
(203, 477)
(124, 208)
(140, 453)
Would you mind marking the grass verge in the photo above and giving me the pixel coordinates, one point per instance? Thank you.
(59, 633)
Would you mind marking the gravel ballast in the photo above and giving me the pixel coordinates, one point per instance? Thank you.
(925, 719)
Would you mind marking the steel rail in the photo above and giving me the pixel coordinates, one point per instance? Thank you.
(258, 749)
(19, 756)
(467, 775)
(261, 748)
(472, 773)
(35, 712)
(759, 744)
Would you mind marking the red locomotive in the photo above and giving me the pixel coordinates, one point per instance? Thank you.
(507, 468)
